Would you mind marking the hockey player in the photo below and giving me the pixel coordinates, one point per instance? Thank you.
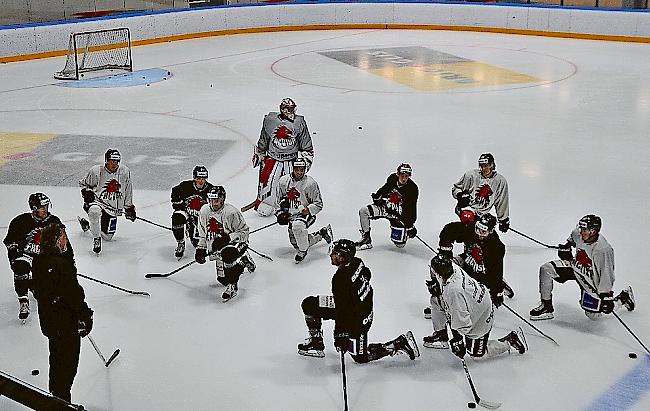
(350, 306)
(483, 189)
(63, 314)
(106, 191)
(299, 201)
(469, 312)
(23, 243)
(592, 268)
(284, 137)
(187, 199)
(223, 231)
(396, 201)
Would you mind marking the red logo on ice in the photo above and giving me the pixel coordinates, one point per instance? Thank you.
(582, 259)
(112, 186)
(214, 226)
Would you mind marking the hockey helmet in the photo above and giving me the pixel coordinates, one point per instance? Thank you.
(288, 108)
(441, 265)
(299, 162)
(344, 248)
(200, 171)
(112, 154)
(486, 158)
(486, 223)
(467, 215)
(38, 200)
(404, 168)
(590, 222)
(217, 192)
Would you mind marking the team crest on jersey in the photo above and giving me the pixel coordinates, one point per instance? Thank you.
(33, 246)
(482, 196)
(194, 204)
(293, 195)
(394, 203)
(474, 258)
(582, 262)
(111, 190)
(214, 228)
(283, 137)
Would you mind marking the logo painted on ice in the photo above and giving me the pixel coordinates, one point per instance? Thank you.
(283, 137)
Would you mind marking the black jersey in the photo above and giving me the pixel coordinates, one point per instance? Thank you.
(400, 201)
(25, 230)
(187, 197)
(352, 298)
(482, 259)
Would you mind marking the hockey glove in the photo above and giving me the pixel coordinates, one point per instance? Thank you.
(504, 225)
(463, 199)
(129, 213)
(457, 344)
(14, 252)
(378, 200)
(412, 232)
(199, 255)
(220, 241)
(284, 218)
(434, 288)
(257, 159)
(86, 323)
(342, 342)
(284, 205)
(497, 298)
(564, 252)
(607, 302)
(88, 195)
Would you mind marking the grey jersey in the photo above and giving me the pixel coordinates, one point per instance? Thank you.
(485, 192)
(301, 194)
(228, 219)
(467, 305)
(114, 191)
(284, 139)
(593, 263)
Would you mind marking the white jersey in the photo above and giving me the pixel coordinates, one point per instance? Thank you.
(228, 219)
(593, 264)
(113, 191)
(467, 305)
(485, 193)
(301, 194)
(283, 139)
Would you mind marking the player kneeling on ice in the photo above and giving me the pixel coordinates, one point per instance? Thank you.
(468, 309)
(187, 199)
(299, 201)
(396, 201)
(106, 191)
(350, 306)
(283, 138)
(592, 268)
(223, 231)
(23, 244)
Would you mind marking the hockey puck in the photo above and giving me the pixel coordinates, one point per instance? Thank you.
(471, 405)
(632, 355)
(35, 372)
(360, 128)
(148, 85)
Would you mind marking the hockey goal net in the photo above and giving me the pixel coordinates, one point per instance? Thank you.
(97, 50)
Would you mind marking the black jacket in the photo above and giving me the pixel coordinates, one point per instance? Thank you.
(400, 201)
(352, 298)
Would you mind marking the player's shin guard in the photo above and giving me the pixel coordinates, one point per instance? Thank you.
(178, 225)
(94, 219)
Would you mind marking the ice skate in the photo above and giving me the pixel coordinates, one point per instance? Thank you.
(180, 250)
(365, 242)
(438, 340)
(300, 256)
(97, 245)
(326, 233)
(230, 293)
(544, 311)
(312, 347)
(517, 340)
(24, 310)
(427, 313)
(248, 262)
(626, 297)
(406, 344)
(85, 225)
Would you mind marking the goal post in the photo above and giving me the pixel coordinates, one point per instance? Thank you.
(97, 50)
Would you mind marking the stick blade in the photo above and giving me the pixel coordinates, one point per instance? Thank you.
(248, 206)
(489, 405)
(110, 360)
(143, 293)
(155, 275)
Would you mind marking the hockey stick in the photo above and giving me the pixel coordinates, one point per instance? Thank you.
(483, 403)
(114, 286)
(110, 360)
(427, 245)
(345, 385)
(161, 275)
(530, 324)
(248, 206)
(262, 228)
(260, 254)
(152, 223)
(630, 331)
(532, 239)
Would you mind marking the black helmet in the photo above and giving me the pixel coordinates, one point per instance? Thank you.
(485, 158)
(441, 265)
(217, 192)
(590, 222)
(37, 200)
(200, 171)
(486, 222)
(344, 248)
(112, 154)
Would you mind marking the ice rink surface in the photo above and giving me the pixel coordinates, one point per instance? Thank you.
(567, 121)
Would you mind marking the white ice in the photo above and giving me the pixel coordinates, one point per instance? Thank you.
(575, 144)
